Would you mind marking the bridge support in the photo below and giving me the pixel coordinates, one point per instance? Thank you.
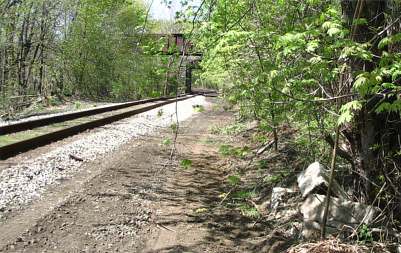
(188, 78)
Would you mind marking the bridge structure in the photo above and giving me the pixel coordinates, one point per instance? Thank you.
(177, 44)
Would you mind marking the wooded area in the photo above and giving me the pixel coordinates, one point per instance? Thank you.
(322, 67)
(87, 49)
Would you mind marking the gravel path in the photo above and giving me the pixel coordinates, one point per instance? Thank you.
(22, 183)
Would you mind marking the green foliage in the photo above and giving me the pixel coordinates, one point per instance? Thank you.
(54, 101)
(260, 137)
(273, 179)
(347, 111)
(186, 164)
(233, 180)
(108, 60)
(198, 108)
(174, 127)
(229, 150)
(244, 194)
(286, 62)
(249, 211)
(232, 129)
(389, 107)
(92, 49)
(262, 164)
(365, 234)
(167, 142)
(77, 105)
(160, 113)
(387, 41)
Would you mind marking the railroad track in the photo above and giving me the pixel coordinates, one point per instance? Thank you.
(51, 129)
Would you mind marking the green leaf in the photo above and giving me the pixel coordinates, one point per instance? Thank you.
(360, 81)
(186, 163)
(360, 21)
(166, 142)
(327, 25)
(333, 31)
(233, 180)
(384, 42)
(361, 84)
(347, 111)
(389, 107)
(389, 40)
(315, 60)
(312, 46)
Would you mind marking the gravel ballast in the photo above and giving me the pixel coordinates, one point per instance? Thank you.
(50, 115)
(23, 183)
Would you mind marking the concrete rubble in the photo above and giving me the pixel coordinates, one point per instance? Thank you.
(315, 179)
(279, 195)
(343, 213)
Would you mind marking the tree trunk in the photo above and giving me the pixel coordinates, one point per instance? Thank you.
(375, 134)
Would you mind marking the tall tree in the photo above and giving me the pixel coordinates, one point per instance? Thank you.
(375, 134)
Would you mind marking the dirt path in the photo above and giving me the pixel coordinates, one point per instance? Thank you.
(136, 201)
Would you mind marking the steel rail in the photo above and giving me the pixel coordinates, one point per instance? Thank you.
(27, 125)
(42, 140)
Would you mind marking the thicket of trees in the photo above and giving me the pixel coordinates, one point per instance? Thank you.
(87, 48)
(318, 66)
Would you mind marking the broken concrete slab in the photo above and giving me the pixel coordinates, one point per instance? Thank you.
(278, 196)
(341, 212)
(315, 179)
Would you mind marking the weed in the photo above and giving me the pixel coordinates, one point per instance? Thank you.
(208, 141)
(77, 105)
(233, 180)
(166, 142)
(228, 150)
(249, 211)
(365, 234)
(174, 127)
(244, 194)
(272, 179)
(259, 138)
(160, 113)
(198, 108)
(262, 164)
(186, 164)
(53, 101)
(275, 179)
(233, 129)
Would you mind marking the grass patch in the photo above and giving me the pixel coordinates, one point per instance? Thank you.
(186, 164)
(244, 194)
(77, 105)
(229, 150)
(232, 129)
(174, 127)
(167, 142)
(276, 178)
(262, 164)
(234, 180)
(198, 108)
(249, 211)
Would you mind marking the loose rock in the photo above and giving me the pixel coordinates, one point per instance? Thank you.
(341, 212)
(315, 179)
